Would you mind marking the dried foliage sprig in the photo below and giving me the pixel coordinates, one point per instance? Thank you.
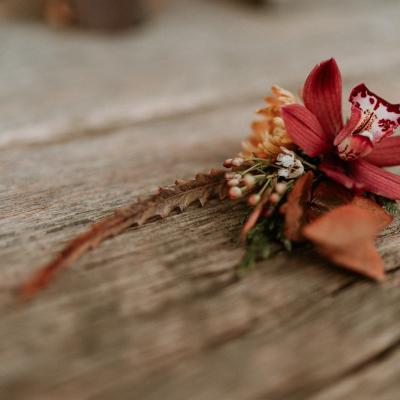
(168, 199)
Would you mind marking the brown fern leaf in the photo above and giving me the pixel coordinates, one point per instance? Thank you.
(162, 204)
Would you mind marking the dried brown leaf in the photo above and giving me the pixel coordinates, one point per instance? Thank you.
(383, 219)
(256, 213)
(327, 196)
(346, 236)
(168, 199)
(252, 219)
(295, 208)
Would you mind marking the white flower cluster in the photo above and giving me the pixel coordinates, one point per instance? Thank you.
(292, 167)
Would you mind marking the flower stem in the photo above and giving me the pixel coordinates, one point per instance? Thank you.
(266, 184)
(305, 162)
(255, 166)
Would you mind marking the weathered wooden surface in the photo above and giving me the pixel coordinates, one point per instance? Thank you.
(88, 124)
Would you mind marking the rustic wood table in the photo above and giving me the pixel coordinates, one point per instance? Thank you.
(89, 123)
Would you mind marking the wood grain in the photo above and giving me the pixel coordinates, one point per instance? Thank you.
(156, 312)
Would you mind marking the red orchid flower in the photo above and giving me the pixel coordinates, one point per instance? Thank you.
(352, 154)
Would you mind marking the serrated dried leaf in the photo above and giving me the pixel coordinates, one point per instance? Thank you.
(204, 198)
(346, 236)
(168, 199)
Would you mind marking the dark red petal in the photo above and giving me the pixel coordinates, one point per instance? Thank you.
(350, 126)
(328, 195)
(385, 153)
(338, 174)
(376, 179)
(304, 129)
(322, 95)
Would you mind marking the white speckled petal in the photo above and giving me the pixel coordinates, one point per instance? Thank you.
(378, 119)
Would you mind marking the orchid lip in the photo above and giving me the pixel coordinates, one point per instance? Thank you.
(354, 146)
(372, 119)
(377, 118)
(367, 134)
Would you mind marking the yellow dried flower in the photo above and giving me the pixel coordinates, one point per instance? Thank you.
(269, 133)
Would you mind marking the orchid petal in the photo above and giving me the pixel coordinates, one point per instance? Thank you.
(372, 119)
(353, 147)
(304, 129)
(337, 173)
(378, 119)
(376, 179)
(350, 126)
(327, 196)
(386, 153)
(322, 95)
(349, 146)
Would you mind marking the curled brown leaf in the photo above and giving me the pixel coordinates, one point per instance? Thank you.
(383, 219)
(327, 196)
(255, 215)
(295, 207)
(346, 235)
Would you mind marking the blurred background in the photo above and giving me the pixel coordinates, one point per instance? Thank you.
(85, 63)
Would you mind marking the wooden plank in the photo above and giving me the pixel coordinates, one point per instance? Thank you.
(379, 379)
(164, 292)
(156, 312)
(316, 347)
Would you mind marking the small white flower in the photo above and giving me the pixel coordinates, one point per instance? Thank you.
(254, 199)
(286, 158)
(292, 167)
(233, 182)
(283, 172)
(249, 180)
(280, 188)
(237, 162)
(235, 193)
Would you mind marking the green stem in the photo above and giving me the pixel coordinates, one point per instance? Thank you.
(260, 160)
(255, 166)
(266, 184)
(312, 166)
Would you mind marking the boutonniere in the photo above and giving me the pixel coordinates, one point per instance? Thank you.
(305, 174)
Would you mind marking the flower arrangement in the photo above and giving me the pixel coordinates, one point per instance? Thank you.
(309, 176)
(306, 176)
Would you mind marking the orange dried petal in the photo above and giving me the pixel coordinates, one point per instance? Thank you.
(346, 236)
(296, 205)
(327, 196)
(383, 219)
